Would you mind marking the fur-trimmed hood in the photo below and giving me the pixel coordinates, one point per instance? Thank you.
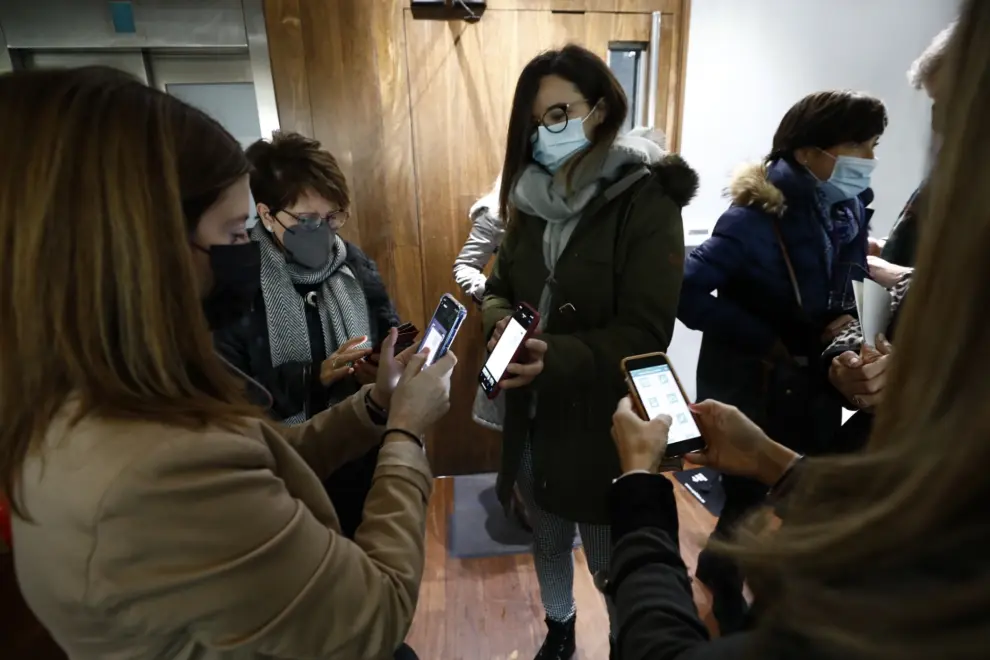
(774, 187)
(751, 186)
(678, 179)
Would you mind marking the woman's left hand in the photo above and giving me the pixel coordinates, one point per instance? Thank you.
(885, 273)
(389, 369)
(641, 444)
(521, 374)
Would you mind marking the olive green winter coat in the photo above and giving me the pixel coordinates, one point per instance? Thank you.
(617, 286)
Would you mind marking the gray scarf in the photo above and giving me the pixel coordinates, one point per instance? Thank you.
(549, 197)
(340, 301)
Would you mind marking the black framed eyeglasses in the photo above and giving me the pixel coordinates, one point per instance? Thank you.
(335, 219)
(556, 118)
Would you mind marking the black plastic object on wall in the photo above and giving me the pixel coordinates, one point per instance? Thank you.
(446, 10)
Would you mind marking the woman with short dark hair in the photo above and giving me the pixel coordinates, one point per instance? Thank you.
(782, 259)
(594, 240)
(321, 303)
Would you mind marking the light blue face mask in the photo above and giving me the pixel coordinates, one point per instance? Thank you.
(551, 150)
(850, 177)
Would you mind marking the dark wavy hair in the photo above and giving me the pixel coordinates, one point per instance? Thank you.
(828, 119)
(285, 167)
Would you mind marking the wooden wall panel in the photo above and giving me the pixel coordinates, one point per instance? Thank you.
(285, 39)
(349, 57)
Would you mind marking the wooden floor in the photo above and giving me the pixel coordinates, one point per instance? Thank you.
(489, 609)
(472, 609)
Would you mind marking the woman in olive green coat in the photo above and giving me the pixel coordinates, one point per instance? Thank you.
(595, 242)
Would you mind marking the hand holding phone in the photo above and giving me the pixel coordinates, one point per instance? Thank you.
(509, 346)
(640, 444)
(443, 328)
(656, 390)
(736, 445)
(526, 366)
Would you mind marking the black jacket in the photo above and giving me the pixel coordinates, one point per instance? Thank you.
(295, 386)
(651, 589)
(902, 244)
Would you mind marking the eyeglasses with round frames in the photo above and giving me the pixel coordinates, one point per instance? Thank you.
(334, 219)
(556, 118)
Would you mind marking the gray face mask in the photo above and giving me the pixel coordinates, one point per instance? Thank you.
(310, 247)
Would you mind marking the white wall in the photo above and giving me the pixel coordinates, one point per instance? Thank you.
(750, 60)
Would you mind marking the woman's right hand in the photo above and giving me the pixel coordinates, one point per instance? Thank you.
(861, 378)
(340, 363)
(422, 396)
(734, 444)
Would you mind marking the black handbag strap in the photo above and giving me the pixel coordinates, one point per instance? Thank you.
(787, 261)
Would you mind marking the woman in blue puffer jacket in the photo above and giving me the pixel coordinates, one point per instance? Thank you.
(782, 260)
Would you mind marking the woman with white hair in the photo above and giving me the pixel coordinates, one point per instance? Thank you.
(896, 255)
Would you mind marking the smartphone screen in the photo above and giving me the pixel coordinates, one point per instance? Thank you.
(660, 394)
(505, 350)
(442, 329)
(516, 330)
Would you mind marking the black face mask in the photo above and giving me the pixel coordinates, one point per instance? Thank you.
(236, 280)
(308, 246)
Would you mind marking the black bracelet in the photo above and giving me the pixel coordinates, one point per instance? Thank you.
(408, 434)
(784, 484)
(378, 415)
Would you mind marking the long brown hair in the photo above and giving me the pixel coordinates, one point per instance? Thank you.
(101, 182)
(883, 554)
(591, 75)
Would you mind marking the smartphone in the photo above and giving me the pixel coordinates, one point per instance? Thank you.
(657, 390)
(521, 327)
(405, 337)
(443, 327)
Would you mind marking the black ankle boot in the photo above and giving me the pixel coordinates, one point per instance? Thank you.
(559, 644)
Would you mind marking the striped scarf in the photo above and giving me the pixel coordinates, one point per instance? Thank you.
(341, 304)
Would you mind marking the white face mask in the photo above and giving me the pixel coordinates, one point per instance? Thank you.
(551, 150)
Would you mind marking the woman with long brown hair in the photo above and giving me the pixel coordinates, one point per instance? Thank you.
(156, 513)
(595, 242)
(882, 554)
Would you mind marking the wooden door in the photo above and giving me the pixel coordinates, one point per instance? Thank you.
(462, 78)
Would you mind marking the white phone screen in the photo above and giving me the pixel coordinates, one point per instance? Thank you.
(657, 389)
(505, 350)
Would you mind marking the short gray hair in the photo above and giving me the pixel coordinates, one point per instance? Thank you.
(927, 65)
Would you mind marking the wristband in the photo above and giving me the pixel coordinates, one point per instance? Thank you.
(785, 484)
(409, 434)
(378, 415)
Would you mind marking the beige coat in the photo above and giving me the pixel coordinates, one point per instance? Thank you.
(151, 541)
